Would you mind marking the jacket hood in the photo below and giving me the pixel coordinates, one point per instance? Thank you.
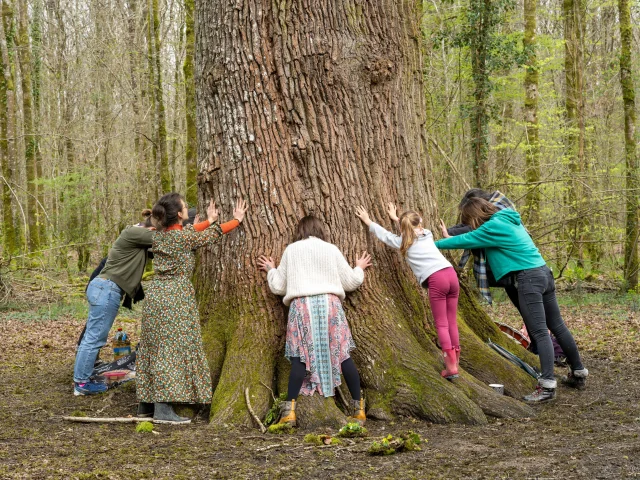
(508, 215)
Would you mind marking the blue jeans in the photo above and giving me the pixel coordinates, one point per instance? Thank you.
(104, 298)
(541, 313)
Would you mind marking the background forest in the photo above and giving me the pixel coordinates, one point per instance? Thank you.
(534, 98)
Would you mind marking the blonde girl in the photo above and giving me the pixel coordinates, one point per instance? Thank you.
(433, 271)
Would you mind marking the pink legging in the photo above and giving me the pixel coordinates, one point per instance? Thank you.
(443, 296)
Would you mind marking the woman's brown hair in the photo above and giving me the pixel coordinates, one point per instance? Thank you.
(165, 211)
(475, 211)
(146, 213)
(409, 221)
(309, 226)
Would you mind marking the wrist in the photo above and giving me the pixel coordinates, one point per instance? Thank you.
(237, 219)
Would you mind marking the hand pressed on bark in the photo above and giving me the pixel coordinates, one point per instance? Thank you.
(240, 210)
(362, 214)
(212, 211)
(364, 261)
(393, 212)
(266, 263)
(443, 229)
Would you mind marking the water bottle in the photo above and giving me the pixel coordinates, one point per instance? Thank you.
(121, 344)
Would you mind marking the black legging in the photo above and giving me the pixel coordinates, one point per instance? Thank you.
(299, 371)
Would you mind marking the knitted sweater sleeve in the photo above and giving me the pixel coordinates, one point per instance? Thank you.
(277, 277)
(350, 278)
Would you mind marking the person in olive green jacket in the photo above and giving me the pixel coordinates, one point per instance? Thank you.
(121, 275)
(510, 250)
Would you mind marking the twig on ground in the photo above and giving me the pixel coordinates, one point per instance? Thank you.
(269, 388)
(263, 429)
(108, 419)
(269, 447)
(343, 399)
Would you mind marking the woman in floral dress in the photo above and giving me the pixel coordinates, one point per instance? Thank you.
(313, 276)
(171, 365)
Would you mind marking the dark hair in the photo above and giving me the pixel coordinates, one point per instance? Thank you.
(476, 193)
(309, 226)
(146, 213)
(192, 217)
(165, 211)
(475, 211)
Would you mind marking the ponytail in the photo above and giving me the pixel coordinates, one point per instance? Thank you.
(408, 222)
(165, 211)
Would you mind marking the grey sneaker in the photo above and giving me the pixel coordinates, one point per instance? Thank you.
(541, 395)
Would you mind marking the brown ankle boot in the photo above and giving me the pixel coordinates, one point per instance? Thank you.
(357, 412)
(288, 413)
(451, 369)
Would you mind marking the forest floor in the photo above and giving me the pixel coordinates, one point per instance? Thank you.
(589, 434)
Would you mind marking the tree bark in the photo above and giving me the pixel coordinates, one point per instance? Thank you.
(531, 76)
(155, 67)
(190, 104)
(317, 107)
(11, 240)
(24, 57)
(481, 23)
(631, 161)
(574, 29)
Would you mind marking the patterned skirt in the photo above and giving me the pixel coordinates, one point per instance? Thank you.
(318, 333)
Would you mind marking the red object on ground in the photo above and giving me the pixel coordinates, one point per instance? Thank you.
(513, 334)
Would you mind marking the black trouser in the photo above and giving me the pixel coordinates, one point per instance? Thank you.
(299, 371)
(541, 313)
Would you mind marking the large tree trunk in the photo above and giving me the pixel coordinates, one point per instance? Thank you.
(316, 108)
(574, 31)
(190, 103)
(11, 243)
(24, 59)
(631, 160)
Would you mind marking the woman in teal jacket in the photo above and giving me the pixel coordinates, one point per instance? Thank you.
(509, 249)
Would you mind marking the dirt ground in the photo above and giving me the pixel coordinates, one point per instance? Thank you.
(591, 434)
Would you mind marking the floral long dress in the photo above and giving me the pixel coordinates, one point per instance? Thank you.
(171, 363)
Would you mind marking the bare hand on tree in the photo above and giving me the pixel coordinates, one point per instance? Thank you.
(240, 210)
(362, 214)
(212, 211)
(364, 261)
(443, 229)
(391, 210)
(266, 263)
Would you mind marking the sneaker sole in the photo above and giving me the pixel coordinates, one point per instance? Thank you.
(76, 393)
(171, 422)
(537, 402)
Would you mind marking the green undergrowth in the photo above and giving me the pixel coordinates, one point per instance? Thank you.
(144, 427)
(322, 439)
(280, 429)
(405, 442)
(351, 430)
(274, 412)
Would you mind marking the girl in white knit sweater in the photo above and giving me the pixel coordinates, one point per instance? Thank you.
(433, 271)
(313, 277)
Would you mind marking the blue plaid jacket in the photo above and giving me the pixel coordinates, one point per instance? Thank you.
(480, 266)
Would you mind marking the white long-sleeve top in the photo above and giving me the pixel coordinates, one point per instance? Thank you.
(423, 256)
(313, 267)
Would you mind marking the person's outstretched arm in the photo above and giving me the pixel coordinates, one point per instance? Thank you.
(238, 216)
(482, 237)
(383, 235)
